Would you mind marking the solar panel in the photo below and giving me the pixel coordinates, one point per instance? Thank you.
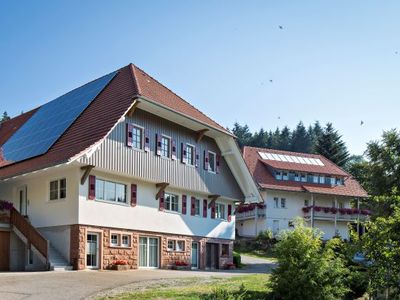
(51, 120)
(291, 158)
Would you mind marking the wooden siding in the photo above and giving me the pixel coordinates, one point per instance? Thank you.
(113, 154)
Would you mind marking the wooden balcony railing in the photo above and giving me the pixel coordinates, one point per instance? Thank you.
(31, 233)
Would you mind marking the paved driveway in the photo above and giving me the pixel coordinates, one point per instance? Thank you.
(81, 284)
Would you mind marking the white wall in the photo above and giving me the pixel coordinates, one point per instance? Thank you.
(41, 211)
(246, 228)
(60, 237)
(294, 205)
(146, 215)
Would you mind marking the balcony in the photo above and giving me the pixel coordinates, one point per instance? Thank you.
(248, 211)
(341, 214)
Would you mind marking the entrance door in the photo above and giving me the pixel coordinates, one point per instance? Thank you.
(5, 251)
(195, 255)
(23, 202)
(212, 255)
(275, 227)
(92, 251)
(148, 252)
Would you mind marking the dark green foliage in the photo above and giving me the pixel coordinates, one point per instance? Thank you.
(237, 259)
(300, 139)
(4, 117)
(330, 145)
(243, 134)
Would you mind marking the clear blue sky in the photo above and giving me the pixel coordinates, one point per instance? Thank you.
(333, 62)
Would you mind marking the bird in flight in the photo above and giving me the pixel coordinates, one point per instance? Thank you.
(361, 123)
(280, 27)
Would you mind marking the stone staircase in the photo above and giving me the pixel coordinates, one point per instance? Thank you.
(57, 261)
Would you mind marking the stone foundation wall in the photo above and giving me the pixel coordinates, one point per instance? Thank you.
(109, 254)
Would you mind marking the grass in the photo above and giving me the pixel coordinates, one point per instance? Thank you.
(240, 287)
(270, 255)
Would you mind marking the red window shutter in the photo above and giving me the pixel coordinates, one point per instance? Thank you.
(133, 194)
(158, 144)
(204, 208)
(129, 128)
(197, 158)
(173, 143)
(184, 204)
(229, 212)
(92, 187)
(183, 153)
(146, 140)
(217, 162)
(192, 206)
(205, 160)
(213, 210)
(161, 201)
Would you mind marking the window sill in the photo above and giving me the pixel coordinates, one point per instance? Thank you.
(112, 202)
(137, 149)
(57, 200)
(172, 211)
(120, 247)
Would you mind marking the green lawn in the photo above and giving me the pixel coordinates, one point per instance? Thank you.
(258, 253)
(249, 287)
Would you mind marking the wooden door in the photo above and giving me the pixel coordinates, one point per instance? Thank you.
(4, 251)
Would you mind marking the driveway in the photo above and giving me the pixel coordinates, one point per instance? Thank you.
(82, 284)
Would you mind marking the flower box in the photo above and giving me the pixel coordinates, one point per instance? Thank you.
(317, 208)
(120, 267)
(230, 266)
(180, 265)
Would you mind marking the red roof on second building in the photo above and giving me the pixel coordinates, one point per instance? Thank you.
(260, 167)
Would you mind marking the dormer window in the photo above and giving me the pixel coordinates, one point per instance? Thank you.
(278, 175)
(339, 181)
(315, 178)
(285, 176)
(303, 177)
(296, 177)
(322, 179)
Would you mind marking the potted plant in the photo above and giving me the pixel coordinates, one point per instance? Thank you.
(120, 265)
(317, 208)
(180, 265)
(230, 266)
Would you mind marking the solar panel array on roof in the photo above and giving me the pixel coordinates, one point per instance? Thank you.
(291, 158)
(51, 120)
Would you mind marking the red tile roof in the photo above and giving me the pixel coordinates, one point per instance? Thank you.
(99, 118)
(259, 168)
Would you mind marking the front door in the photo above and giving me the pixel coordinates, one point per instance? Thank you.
(22, 201)
(4, 250)
(92, 251)
(148, 252)
(212, 255)
(195, 255)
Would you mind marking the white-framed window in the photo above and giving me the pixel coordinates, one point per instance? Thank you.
(212, 162)
(285, 176)
(278, 175)
(171, 202)
(303, 177)
(339, 181)
(341, 205)
(283, 202)
(171, 245)
(190, 155)
(322, 179)
(165, 146)
(315, 178)
(137, 137)
(110, 191)
(114, 240)
(58, 189)
(306, 202)
(176, 245)
(296, 177)
(197, 207)
(126, 240)
(332, 180)
(225, 250)
(276, 202)
(220, 210)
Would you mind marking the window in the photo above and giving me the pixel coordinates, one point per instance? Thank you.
(171, 202)
(278, 175)
(110, 191)
(283, 203)
(189, 155)
(58, 189)
(171, 245)
(303, 177)
(315, 178)
(165, 146)
(341, 205)
(332, 180)
(306, 202)
(197, 207)
(285, 176)
(180, 246)
(224, 250)
(296, 177)
(220, 211)
(114, 240)
(339, 181)
(174, 245)
(211, 162)
(126, 241)
(322, 179)
(276, 202)
(137, 137)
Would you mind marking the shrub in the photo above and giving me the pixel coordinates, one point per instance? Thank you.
(265, 240)
(237, 259)
(306, 269)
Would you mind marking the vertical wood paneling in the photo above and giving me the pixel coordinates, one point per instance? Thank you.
(114, 155)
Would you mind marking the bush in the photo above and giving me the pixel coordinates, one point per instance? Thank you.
(237, 259)
(306, 269)
(265, 240)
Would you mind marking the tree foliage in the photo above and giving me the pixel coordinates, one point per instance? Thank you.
(306, 269)
(4, 117)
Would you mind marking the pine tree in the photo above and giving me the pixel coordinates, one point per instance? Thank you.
(244, 136)
(275, 139)
(330, 145)
(284, 139)
(259, 139)
(4, 117)
(300, 140)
